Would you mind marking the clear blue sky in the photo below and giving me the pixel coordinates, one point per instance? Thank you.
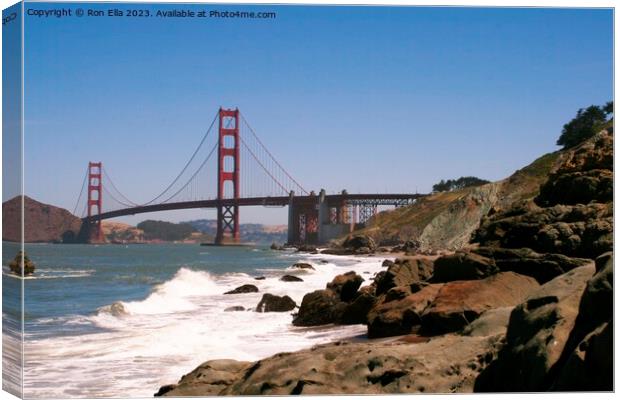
(371, 99)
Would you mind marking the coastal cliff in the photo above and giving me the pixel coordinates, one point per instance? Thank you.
(446, 220)
(42, 222)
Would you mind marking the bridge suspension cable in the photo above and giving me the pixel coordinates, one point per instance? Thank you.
(191, 179)
(282, 169)
(105, 174)
(261, 165)
(110, 195)
(129, 203)
(77, 203)
(204, 138)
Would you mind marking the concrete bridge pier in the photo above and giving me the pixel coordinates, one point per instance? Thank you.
(91, 231)
(291, 219)
(324, 217)
(303, 219)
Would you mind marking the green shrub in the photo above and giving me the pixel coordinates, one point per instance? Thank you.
(585, 124)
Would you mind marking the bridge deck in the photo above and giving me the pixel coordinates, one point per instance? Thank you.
(379, 199)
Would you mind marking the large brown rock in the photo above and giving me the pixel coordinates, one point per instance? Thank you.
(537, 334)
(590, 366)
(356, 312)
(462, 266)
(302, 265)
(208, 379)
(578, 188)
(359, 244)
(345, 285)
(542, 267)
(584, 174)
(459, 303)
(446, 364)
(597, 303)
(273, 303)
(243, 289)
(401, 316)
(588, 348)
(318, 308)
(291, 278)
(403, 272)
(573, 230)
(491, 322)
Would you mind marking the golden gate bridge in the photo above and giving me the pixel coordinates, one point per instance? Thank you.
(236, 170)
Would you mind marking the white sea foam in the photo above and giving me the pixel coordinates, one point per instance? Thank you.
(49, 273)
(181, 324)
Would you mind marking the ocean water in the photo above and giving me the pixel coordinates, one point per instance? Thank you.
(113, 320)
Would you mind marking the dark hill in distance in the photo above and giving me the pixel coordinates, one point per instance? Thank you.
(42, 222)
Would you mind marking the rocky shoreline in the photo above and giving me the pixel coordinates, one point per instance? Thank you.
(526, 305)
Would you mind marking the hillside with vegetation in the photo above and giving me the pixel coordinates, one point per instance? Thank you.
(447, 218)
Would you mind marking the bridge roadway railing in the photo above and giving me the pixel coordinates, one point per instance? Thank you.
(312, 218)
(353, 199)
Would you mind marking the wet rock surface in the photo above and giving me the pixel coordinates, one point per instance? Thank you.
(463, 266)
(21, 264)
(448, 364)
(542, 267)
(243, 289)
(273, 303)
(404, 272)
(291, 278)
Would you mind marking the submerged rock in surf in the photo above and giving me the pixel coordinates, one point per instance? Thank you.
(243, 289)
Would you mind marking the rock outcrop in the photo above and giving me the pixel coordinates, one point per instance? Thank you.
(345, 286)
(404, 272)
(542, 267)
(463, 266)
(537, 335)
(21, 265)
(353, 244)
(448, 364)
(585, 175)
(273, 303)
(243, 289)
(208, 379)
(302, 265)
(459, 303)
(573, 230)
(291, 278)
(572, 214)
(391, 318)
(340, 302)
(447, 307)
(319, 308)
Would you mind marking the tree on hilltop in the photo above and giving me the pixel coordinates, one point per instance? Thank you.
(585, 124)
(456, 184)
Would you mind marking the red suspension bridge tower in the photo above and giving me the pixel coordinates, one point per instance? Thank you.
(228, 171)
(94, 202)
